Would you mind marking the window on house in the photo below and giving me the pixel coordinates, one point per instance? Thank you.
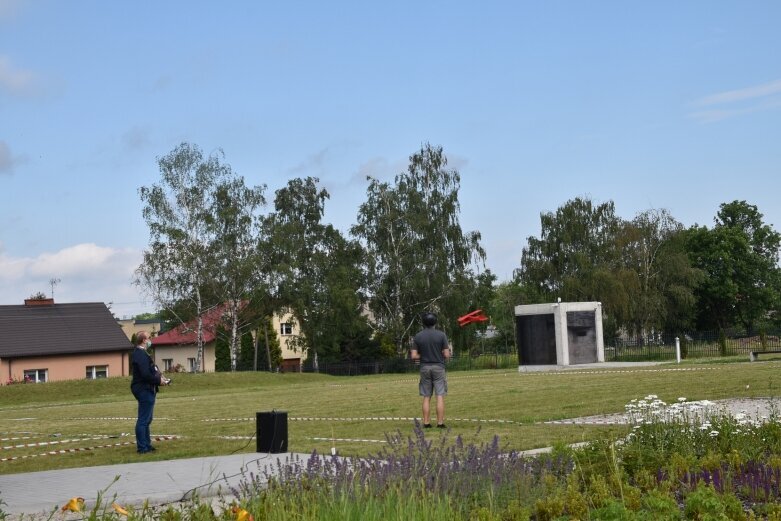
(36, 375)
(286, 328)
(168, 364)
(191, 364)
(97, 371)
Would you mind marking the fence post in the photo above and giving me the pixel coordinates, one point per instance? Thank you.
(678, 349)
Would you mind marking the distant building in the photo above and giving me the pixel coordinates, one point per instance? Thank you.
(131, 326)
(288, 332)
(41, 341)
(177, 350)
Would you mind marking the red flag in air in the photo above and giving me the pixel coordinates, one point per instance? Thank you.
(475, 316)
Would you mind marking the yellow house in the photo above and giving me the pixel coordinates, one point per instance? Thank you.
(132, 326)
(176, 349)
(287, 329)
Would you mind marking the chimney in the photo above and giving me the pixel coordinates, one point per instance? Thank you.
(39, 302)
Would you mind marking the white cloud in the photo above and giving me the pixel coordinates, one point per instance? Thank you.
(719, 114)
(15, 81)
(76, 260)
(88, 273)
(732, 103)
(732, 96)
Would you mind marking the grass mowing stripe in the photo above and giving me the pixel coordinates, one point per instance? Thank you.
(59, 442)
(347, 439)
(83, 449)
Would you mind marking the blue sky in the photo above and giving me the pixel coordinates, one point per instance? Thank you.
(673, 105)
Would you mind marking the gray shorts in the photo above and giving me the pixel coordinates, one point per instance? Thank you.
(432, 378)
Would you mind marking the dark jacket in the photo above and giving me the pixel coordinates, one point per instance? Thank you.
(145, 372)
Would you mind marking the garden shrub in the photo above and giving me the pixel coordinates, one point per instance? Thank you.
(549, 508)
(658, 506)
(632, 496)
(575, 504)
(599, 491)
(705, 504)
(613, 511)
(516, 512)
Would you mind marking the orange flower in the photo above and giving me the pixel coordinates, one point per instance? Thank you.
(74, 505)
(119, 509)
(242, 515)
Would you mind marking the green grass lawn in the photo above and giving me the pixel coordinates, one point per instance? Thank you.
(320, 406)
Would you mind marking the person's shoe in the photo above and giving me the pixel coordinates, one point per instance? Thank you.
(441, 426)
(144, 451)
(152, 448)
(426, 425)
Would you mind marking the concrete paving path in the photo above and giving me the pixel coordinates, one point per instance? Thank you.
(158, 481)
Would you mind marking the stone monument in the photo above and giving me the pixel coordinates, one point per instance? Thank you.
(562, 333)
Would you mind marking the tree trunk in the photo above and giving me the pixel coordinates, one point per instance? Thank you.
(255, 344)
(234, 306)
(268, 349)
(199, 362)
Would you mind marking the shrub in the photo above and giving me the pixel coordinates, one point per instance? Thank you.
(658, 506)
(613, 511)
(706, 504)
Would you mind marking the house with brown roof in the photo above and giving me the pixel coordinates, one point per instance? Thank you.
(41, 341)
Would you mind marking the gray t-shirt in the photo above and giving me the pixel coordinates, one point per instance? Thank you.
(429, 343)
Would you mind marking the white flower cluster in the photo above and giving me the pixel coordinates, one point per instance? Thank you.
(651, 409)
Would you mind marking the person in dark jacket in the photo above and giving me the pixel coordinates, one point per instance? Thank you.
(431, 348)
(144, 386)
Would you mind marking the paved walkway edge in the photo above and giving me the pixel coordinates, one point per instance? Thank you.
(158, 481)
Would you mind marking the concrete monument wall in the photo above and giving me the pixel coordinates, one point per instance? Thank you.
(562, 333)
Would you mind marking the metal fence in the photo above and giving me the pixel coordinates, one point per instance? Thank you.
(617, 349)
(405, 365)
(693, 345)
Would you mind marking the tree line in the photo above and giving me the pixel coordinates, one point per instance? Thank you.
(214, 241)
(654, 275)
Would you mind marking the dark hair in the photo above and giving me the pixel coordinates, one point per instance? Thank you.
(429, 319)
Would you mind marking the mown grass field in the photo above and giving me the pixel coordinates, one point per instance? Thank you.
(205, 410)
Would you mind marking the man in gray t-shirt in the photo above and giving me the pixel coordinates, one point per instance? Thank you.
(431, 348)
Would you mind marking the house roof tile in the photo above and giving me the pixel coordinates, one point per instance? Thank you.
(187, 332)
(59, 329)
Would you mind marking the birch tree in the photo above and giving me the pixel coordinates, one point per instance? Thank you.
(236, 226)
(416, 249)
(179, 261)
(318, 272)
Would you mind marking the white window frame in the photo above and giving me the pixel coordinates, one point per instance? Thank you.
(34, 375)
(286, 328)
(191, 362)
(168, 364)
(93, 370)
